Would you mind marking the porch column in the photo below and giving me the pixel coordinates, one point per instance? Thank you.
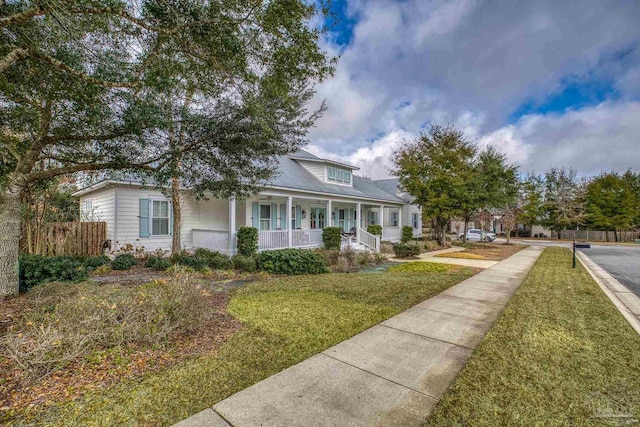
(329, 213)
(358, 220)
(232, 225)
(400, 218)
(381, 216)
(289, 219)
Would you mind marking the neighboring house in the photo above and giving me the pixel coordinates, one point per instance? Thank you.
(411, 213)
(307, 194)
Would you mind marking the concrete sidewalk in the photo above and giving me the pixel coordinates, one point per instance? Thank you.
(391, 374)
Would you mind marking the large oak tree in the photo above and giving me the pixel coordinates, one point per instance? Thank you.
(85, 85)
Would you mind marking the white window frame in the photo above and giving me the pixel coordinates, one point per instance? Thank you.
(338, 175)
(393, 219)
(152, 216)
(317, 220)
(414, 220)
(261, 219)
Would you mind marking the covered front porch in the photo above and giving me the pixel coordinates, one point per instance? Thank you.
(297, 221)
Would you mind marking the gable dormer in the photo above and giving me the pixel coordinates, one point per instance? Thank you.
(325, 170)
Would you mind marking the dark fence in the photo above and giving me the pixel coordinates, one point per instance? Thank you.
(597, 235)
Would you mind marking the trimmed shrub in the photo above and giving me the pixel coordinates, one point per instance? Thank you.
(215, 260)
(247, 238)
(332, 237)
(407, 234)
(123, 262)
(184, 258)
(97, 261)
(158, 263)
(292, 261)
(36, 269)
(244, 263)
(375, 229)
(406, 250)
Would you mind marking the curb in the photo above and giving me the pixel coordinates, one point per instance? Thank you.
(611, 288)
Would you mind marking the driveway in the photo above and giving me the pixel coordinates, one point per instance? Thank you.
(622, 262)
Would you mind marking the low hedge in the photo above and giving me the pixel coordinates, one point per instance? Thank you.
(215, 260)
(36, 269)
(292, 261)
(97, 261)
(406, 250)
(407, 234)
(186, 259)
(375, 229)
(123, 262)
(244, 263)
(158, 263)
(332, 238)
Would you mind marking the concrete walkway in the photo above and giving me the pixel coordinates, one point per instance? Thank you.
(391, 374)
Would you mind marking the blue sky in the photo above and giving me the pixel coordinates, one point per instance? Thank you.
(542, 80)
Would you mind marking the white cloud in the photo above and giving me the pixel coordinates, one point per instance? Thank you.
(472, 63)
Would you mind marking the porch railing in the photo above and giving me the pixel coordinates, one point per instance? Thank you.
(369, 240)
(215, 240)
(273, 239)
(391, 234)
(303, 238)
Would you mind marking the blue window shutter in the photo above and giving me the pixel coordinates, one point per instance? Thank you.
(298, 216)
(274, 216)
(255, 214)
(283, 216)
(143, 218)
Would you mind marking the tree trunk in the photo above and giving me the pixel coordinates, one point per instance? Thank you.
(508, 236)
(466, 228)
(177, 215)
(9, 243)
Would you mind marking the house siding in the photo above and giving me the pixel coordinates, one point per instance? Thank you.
(103, 202)
(317, 169)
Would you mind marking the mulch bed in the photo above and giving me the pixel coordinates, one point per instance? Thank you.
(494, 251)
(81, 377)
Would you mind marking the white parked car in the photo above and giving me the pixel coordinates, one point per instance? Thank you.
(478, 235)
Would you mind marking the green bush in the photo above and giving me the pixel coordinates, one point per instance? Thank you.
(247, 238)
(407, 234)
(97, 261)
(123, 262)
(292, 261)
(184, 258)
(36, 269)
(215, 260)
(158, 263)
(332, 238)
(406, 250)
(244, 263)
(375, 229)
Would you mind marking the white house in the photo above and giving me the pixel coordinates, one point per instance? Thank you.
(307, 194)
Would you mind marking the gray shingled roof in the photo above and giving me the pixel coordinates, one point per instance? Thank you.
(291, 175)
(392, 185)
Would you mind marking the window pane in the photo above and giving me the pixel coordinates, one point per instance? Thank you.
(265, 224)
(265, 212)
(160, 227)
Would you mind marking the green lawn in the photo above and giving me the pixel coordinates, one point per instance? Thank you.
(560, 354)
(286, 321)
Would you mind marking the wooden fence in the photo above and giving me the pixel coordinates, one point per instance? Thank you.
(597, 235)
(65, 238)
